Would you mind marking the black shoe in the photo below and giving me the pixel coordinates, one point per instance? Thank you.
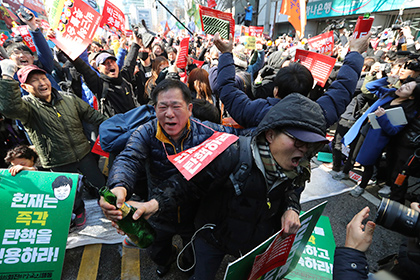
(162, 270)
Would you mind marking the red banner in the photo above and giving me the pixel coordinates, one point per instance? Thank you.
(199, 63)
(193, 160)
(363, 26)
(27, 38)
(35, 5)
(113, 18)
(211, 3)
(204, 11)
(76, 28)
(3, 38)
(320, 65)
(97, 149)
(324, 43)
(45, 25)
(256, 31)
(276, 255)
(181, 59)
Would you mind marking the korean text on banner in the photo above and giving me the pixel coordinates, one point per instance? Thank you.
(181, 59)
(204, 11)
(113, 18)
(193, 160)
(256, 31)
(27, 38)
(296, 11)
(320, 65)
(37, 209)
(276, 257)
(324, 43)
(76, 28)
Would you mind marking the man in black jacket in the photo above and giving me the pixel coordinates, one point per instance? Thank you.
(113, 88)
(267, 199)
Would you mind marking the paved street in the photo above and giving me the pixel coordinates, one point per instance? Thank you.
(110, 262)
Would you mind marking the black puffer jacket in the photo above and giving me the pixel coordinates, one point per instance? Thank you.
(145, 155)
(244, 221)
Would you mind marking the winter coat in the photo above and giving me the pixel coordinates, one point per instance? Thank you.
(242, 221)
(52, 127)
(145, 155)
(350, 264)
(249, 113)
(120, 94)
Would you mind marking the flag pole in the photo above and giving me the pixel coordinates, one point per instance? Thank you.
(175, 17)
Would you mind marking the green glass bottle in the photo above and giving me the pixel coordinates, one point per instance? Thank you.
(139, 231)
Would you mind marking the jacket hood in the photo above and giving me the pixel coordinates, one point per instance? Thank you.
(295, 110)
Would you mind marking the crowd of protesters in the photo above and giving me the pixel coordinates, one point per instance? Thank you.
(52, 107)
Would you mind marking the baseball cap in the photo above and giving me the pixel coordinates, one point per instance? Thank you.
(306, 135)
(24, 72)
(100, 59)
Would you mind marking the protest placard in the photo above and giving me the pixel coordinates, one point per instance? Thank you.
(282, 254)
(76, 28)
(363, 26)
(250, 42)
(37, 208)
(320, 65)
(204, 11)
(27, 38)
(317, 259)
(323, 43)
(256, 31)
(193, 160)
(181, 59)
(113, 18)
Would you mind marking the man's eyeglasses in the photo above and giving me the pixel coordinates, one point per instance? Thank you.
(312, 147)
(20, 52)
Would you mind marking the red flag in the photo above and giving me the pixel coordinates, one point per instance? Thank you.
(166, 30)
(296, 10)
(27, 39)
(211, 3)
(113, 18)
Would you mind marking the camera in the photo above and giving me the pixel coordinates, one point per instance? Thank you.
(25, 15)
(399, 218)
(402, 219)
(337, 24)
(401, 25)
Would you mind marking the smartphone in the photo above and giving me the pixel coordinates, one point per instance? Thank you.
(25, 15)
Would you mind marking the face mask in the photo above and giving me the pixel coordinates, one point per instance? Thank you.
(143, 55)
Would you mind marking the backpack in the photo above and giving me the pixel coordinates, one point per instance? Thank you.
(115, 131)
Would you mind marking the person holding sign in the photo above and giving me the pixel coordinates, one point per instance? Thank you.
(293, 78)
(147, 154)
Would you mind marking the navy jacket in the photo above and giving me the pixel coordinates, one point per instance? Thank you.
(350, 264)
(249, 113)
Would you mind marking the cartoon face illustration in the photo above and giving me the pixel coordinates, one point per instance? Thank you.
(62, 192)
(62, 187)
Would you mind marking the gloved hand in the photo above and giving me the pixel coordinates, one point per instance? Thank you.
(8, 67)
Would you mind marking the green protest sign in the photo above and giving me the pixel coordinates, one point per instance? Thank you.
(317, 259)
(277, 256)
(37, 209)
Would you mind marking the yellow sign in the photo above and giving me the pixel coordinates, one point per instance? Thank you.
(250, 42)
